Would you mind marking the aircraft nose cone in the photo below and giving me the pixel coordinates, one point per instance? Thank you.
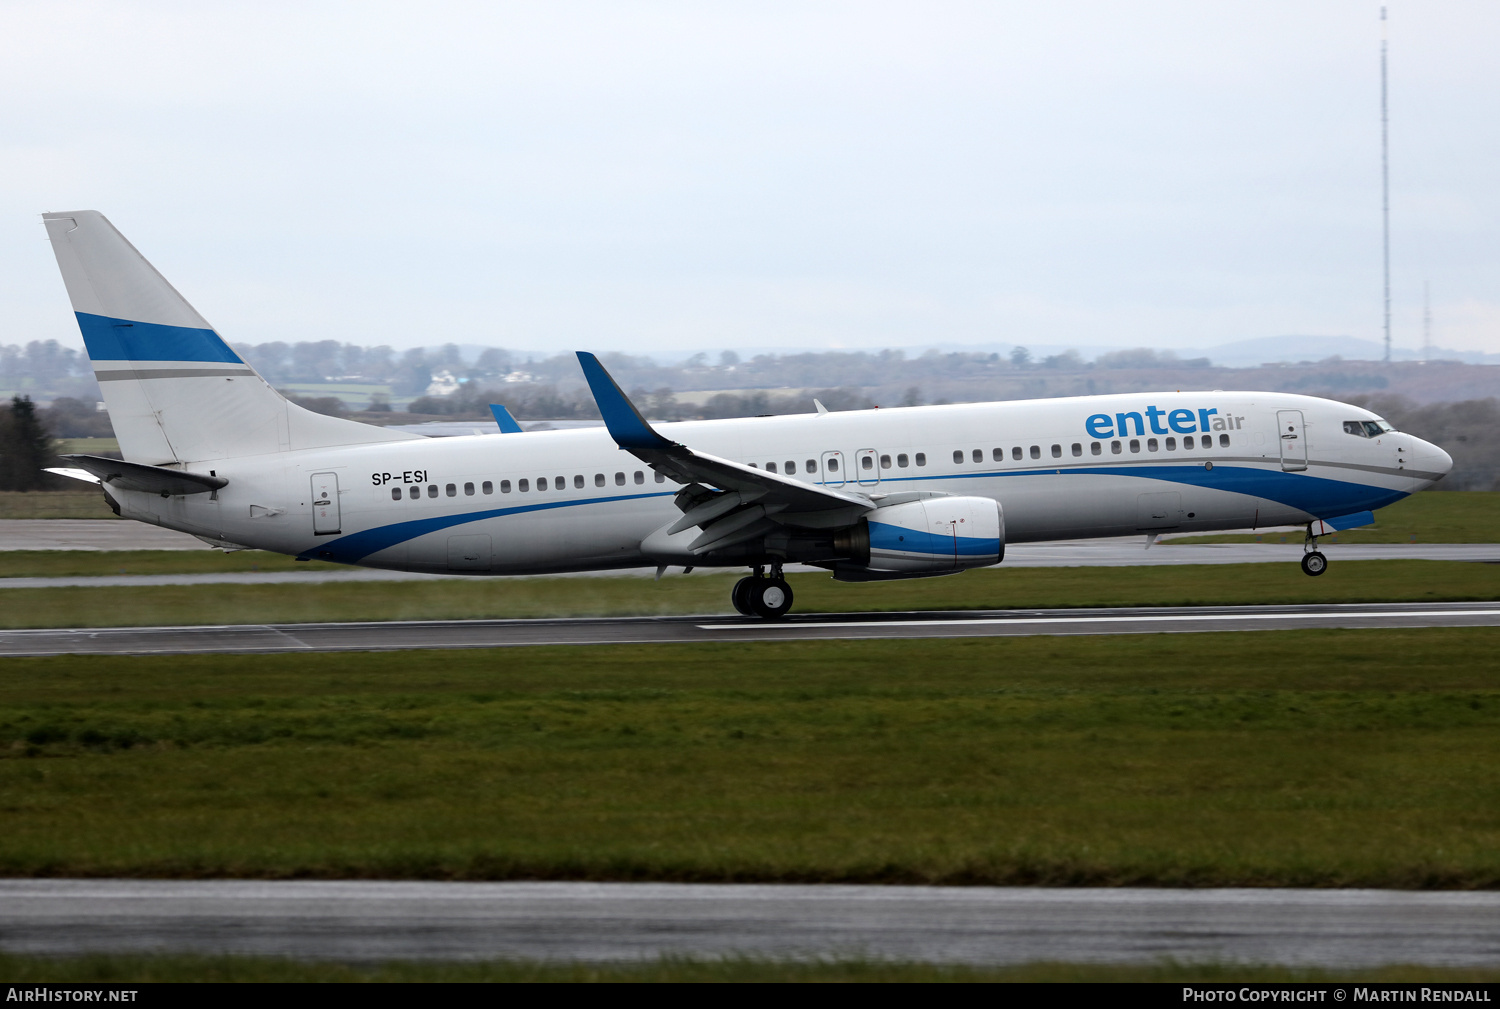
(1431, 459)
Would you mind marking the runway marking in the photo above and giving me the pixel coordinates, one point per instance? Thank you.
(1182, 617)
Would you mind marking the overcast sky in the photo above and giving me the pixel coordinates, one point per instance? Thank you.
(655, 177)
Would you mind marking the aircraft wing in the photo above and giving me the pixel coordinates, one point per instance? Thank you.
(747, 498)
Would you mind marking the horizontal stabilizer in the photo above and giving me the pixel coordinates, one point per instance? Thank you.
(150, 479)
(73, 473)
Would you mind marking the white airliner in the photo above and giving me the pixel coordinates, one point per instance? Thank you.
(211, 449)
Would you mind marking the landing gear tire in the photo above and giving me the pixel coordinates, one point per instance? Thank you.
(1314, 563)
(771, 598)
(740, 597)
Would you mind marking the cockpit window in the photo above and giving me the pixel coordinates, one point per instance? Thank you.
(1367, 428)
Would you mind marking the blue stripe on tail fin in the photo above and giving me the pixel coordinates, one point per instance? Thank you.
(124, 340)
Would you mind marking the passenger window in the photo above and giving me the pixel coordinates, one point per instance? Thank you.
(1114, 448)
(979, 455)
(504, 486)
(1057, 451)
(660, 478)
(885, 462)
(487, 488)
(541, 483)
(395, 493)
(1171, 444)
(770, 467)
(523, 486)
(415, 493)
(958, 456)
(1150, 444)
(791, 467)
(998, 455)
(1077, 449)
(640, 477)
(812, 465)
(1135, 444)
(1016, 453)
(1223, 441)
(1187, 442)
(903, 460)
(833, 465)
(451, 490)
(598, 479)
(865, 462)
(1095, 448)
(468, 490)
(432, 490)
(1036, 451)
(561, 483)
(619, 479)
(754, 466)
(921, 458)
(578, 481)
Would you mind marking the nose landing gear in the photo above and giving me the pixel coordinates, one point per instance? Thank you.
(759, 596)
(1313, 561)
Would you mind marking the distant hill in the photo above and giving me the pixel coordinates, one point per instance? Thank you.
(1296, 349)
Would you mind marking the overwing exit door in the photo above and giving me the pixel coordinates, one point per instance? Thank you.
(1293, 439)
(833, 469)
(325, 503)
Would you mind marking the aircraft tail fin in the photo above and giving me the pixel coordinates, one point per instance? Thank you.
(175, 391)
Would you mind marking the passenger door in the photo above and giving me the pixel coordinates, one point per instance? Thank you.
(867, 466)
(1293, 440)
(325, 503)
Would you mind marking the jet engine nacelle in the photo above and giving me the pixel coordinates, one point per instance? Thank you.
(932, 536)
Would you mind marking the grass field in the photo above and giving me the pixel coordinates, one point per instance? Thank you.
(1359, 581)
(54, 504)
(179, 968)
(1319, 758)
(1447, 517)
(88, 446)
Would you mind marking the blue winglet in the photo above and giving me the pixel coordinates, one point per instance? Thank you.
(507, 423)
(626, 425)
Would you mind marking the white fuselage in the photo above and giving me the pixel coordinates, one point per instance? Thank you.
(572, 500)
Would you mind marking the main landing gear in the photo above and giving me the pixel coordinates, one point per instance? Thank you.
(1313, 561)
(759, 596)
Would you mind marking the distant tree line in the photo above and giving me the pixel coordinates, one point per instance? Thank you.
(25, 447)
(46, 368)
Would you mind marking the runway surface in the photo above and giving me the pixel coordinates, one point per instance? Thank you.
(437, 634)
(360, 920)
(89, 534)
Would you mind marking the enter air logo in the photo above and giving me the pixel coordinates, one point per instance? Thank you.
(1159, 421)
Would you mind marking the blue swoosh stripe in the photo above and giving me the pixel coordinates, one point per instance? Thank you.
(110, 339)
(1315, 495)
(1318, 496)
(356, 546)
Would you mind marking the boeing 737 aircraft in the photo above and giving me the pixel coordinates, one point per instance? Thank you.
(211, 449)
